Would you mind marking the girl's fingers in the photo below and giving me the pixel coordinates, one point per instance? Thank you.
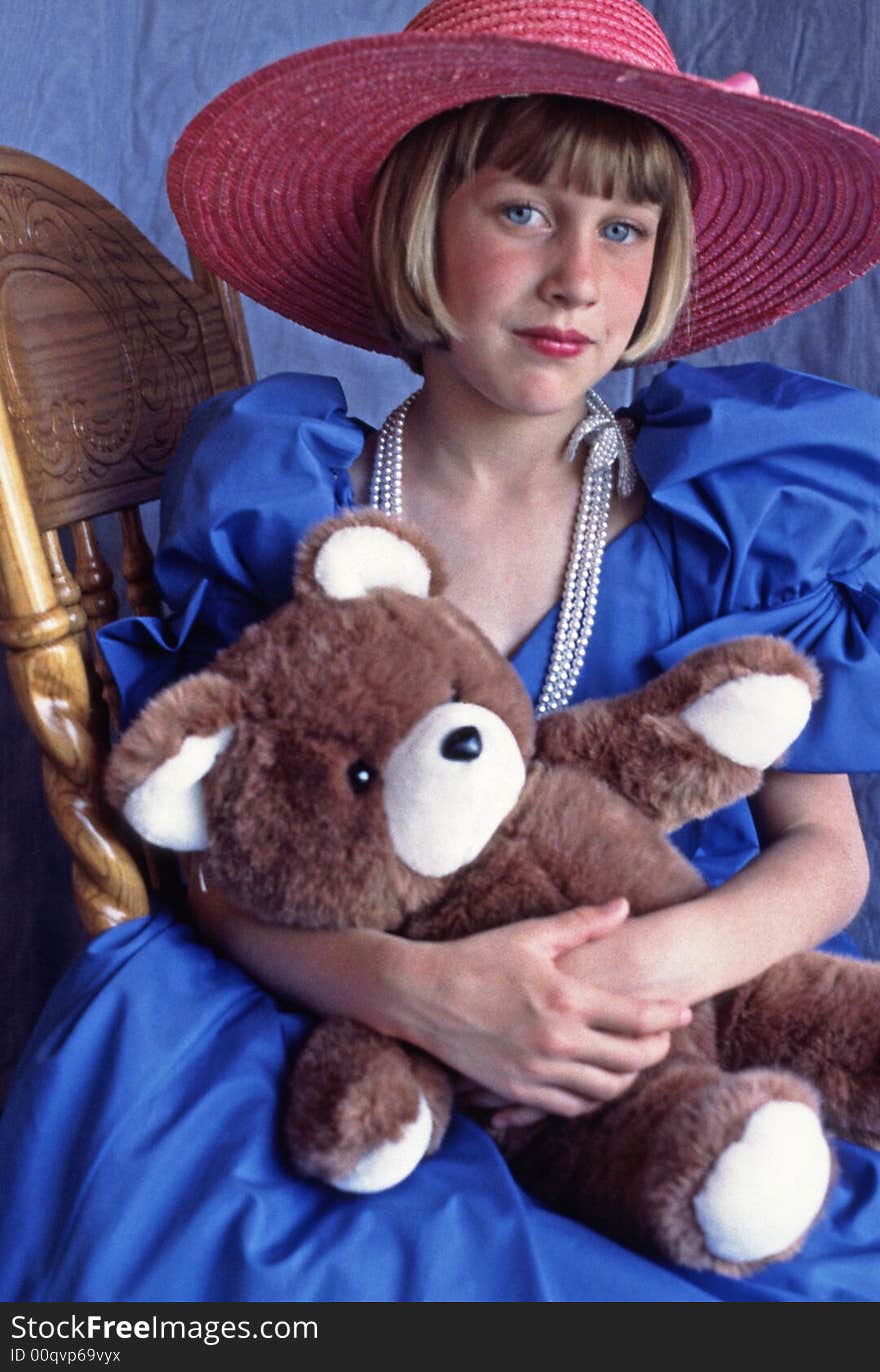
(519, 1025)
(605, 1066)
(590, 1088)
(587, 1081)
(615, 1014)
(609, 1068)
(515, 1116)
(612, 1053)
(572, 928)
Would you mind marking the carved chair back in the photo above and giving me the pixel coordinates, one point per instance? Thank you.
(105, 348)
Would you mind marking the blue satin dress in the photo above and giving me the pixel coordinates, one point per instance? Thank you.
(140, 1154)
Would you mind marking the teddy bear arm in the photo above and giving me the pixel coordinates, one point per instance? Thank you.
(818, 1015)
(696, 738)
(656, 762)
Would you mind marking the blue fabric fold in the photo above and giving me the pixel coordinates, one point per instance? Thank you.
(764, 501)
(140, 1151)
(769, 478)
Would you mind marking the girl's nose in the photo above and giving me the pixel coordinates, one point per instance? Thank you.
(571, 273)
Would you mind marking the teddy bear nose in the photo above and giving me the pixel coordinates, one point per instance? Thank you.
(462, 745)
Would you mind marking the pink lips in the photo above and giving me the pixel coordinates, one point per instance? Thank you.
(555, 342)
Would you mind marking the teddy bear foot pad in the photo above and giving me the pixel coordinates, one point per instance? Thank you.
(766, 1189)
(391, 1162)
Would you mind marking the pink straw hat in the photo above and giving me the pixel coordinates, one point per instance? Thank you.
(271, 180)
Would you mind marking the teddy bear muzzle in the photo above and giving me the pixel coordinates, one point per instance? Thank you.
(449, 784)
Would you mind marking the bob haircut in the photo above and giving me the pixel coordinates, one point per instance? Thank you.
(600, 150)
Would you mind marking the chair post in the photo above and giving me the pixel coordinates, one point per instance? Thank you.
(233, 315)
(49, 680)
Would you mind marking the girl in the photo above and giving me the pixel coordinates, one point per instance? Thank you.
(514, 250)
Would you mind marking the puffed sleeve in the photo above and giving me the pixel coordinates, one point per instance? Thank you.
(765, 490)
(256, 468)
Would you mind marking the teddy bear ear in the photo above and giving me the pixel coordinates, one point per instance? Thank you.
(155, 772)
(347, 558)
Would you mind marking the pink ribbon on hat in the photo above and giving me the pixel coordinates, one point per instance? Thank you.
(743, 82)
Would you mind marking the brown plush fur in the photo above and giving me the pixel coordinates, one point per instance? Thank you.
(325, 683)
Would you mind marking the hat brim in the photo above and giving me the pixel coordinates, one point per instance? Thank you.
(270, 181)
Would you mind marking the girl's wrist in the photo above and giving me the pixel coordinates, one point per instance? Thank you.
(403, 973)
(642, 958)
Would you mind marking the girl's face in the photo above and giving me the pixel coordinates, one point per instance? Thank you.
(546, 285)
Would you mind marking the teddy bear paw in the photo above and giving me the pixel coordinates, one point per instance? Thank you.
(393, 1161)
(765, 1190)
(752, 720)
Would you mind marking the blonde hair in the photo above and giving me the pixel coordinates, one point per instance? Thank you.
(599, 149)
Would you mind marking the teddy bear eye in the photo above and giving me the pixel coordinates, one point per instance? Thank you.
(360, 776)
(455, 694)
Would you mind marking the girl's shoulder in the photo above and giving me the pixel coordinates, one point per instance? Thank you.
(254, 470)
(741, 422)
(252, 443)
(764, 507)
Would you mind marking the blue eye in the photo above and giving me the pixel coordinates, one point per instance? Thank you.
(620, 232)
(520, 215)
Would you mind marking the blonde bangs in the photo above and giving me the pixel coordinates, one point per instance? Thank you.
(591, 148)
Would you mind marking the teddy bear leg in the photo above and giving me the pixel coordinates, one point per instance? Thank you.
(817, 1015)
(766, 1188)
(363, 1110)
(715, 1171)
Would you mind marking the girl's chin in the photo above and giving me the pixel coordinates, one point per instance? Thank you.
(533, 392)
(543, 402)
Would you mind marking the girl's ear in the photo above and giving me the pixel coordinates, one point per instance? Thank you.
(346, 558)
(156, 770)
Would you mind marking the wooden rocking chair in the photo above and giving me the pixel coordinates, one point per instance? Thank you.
(105, 348)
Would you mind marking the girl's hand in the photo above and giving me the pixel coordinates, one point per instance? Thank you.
(499, 1007)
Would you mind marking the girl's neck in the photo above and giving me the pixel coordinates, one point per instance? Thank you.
(455, 437)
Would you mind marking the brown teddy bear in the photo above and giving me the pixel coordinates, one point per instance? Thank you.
(366, 758)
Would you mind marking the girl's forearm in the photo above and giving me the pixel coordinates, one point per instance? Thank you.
(798, 892)
(350, 972)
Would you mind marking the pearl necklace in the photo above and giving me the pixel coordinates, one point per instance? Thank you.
(577, 612)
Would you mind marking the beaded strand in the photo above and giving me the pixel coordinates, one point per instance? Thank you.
(577, 613)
